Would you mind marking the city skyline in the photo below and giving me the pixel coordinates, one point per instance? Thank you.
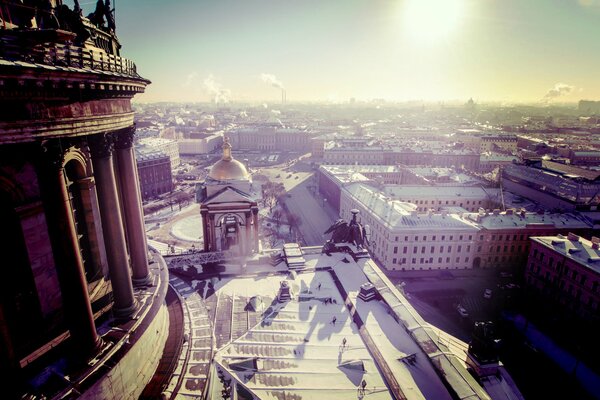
(430, 50)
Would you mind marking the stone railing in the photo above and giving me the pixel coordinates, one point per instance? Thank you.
(65, 55)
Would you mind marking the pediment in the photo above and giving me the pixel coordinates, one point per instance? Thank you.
(228, 195)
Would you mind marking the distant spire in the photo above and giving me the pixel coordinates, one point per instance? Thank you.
(226, 149)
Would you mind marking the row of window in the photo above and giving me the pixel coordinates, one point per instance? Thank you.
(432, 249)
(433, 238)
(429, 260)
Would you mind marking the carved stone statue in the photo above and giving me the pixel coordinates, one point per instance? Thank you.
(97, 17)
(342, 232)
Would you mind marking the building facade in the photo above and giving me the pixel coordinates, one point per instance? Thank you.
(156, 178)
(566, 270)
(72, 221)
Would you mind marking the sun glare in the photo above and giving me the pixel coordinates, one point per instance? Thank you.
(429, 21)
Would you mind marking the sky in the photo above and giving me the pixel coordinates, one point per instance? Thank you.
(334, 50)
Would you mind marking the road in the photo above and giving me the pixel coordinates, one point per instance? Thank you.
(316, 215)
(315, 219)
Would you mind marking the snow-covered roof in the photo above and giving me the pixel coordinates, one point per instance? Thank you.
(581, 250)
(401, 215)
(325, 341)
(514, 220)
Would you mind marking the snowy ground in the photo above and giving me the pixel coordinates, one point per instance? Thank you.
(188, 229)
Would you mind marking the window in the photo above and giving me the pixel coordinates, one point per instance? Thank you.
(467, 259)
(447, 259)
(443, 237)
(406, 238)
(423, 250)
(421, 260)
(414, 260)
(430, 260)
(416, 238)
(424, 238)
(451, 237)
(394, 261)
(433, 238)
(439, 259)
(469, 248)
(449, 249)
(459, 249)
(395, 249)
(457, 259)
(404, 250)
(441, 249)
(478, 249)
(414, 249)
(470, 237)
(460, 237)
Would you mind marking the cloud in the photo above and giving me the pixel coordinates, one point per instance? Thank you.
(217, 93)
(271, 80)
(559, 89)
(190, 79)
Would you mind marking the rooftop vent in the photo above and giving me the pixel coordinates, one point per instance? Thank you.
(367, 291)
(285, 292)
(573, 237)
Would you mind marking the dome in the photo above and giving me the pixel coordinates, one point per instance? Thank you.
(227, 168)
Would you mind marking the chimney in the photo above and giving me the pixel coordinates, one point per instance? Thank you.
(573, 237)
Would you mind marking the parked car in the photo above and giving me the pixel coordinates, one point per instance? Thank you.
(462, 311)
(487, 294)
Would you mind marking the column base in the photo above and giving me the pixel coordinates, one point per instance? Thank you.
(145, 281)
(127, 312)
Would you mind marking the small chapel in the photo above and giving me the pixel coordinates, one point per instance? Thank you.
(228, 209)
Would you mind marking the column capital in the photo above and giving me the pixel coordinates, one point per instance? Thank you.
(101, 145)
(53, 153)
(124, 138)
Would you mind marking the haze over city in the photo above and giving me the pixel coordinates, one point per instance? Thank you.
(305, 200)
(512, 51)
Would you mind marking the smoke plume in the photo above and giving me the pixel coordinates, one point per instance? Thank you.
(559, 89)
(219, 94)
(271, 80)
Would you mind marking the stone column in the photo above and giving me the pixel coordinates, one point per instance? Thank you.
(132, 207)
(101, 147)
(66, 251)
(247, 240)
(212, 233)
(205, 238)
(255, 215)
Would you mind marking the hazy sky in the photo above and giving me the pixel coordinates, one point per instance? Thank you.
(511, 50)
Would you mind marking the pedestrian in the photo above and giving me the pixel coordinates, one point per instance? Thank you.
(333, 320)
(319, 287)
(344, 342)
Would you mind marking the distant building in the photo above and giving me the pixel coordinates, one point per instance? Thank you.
(494, 143)
(271, 138)
(438, 198)
(429, 188)
(585, 157)
(554, 186)
(160, 145)
(589, 107)
(566, 270)
(403, 239)
(503, 237)
(154, 170)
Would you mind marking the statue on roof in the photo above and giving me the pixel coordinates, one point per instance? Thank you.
(355, 233)
(97, 17)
